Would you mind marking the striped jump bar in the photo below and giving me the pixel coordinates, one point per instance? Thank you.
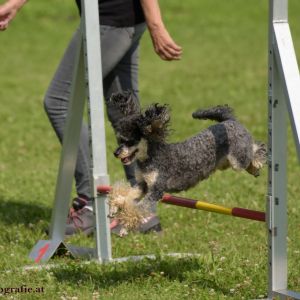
(201, 205)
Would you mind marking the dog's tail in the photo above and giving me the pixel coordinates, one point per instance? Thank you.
(218, 113)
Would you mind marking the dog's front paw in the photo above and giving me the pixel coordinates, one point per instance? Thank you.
(123, 232)
(113, 210)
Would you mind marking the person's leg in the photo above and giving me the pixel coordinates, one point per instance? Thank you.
(123, 77)
(116, 43)
(56, 106)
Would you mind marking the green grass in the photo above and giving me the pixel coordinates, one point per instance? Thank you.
(224, 61)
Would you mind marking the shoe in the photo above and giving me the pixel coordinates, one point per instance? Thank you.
(82, 220)
(149, 224)
(79, 203)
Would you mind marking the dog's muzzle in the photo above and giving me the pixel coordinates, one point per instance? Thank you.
(124, 153)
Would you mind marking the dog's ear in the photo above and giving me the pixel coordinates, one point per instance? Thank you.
(155, 121)
(124, 104)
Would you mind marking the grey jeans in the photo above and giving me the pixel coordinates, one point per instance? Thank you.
(119, 50)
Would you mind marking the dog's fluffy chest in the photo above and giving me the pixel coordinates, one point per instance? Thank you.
(149, 177)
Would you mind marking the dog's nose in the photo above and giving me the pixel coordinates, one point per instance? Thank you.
(118, 152)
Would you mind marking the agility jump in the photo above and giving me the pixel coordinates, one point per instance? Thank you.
(283, 95)
(201, 205)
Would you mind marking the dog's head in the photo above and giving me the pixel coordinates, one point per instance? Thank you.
(136, 129)
(126, 109)
(129, 136)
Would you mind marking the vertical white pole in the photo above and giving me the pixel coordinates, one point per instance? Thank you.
(276, 210)
(69, 149)
(92, 49)
(284, 95)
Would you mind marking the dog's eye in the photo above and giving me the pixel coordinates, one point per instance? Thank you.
(126, 141)
(123, 141)
(130, 143)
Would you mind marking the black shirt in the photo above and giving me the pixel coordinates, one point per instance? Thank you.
(119, 13)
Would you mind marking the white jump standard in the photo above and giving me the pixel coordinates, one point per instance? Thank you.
(87, 82)
(283, 95)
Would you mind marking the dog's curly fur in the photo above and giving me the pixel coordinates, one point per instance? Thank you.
(168, 167)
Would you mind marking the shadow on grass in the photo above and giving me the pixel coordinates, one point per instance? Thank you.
(164, 271)
(22, 211)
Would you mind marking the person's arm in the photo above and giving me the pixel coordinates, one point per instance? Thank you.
(8, 11)
(163, 43)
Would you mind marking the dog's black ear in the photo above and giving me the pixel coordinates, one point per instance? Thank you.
(124, 104)
(155, 121)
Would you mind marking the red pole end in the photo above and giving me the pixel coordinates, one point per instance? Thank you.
(249, 214)
(178, 201)
(103, 189)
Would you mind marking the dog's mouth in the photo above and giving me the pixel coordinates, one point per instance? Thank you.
(128, 159)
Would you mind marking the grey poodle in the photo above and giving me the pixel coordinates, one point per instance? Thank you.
(174, 167)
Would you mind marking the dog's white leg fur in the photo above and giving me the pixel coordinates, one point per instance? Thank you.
(123, 206)
(259, 159)
(122, 194)
(151, 178)
(133, 193)
(258, 164)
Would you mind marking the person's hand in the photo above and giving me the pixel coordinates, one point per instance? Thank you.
(164, 45)
(7, 13)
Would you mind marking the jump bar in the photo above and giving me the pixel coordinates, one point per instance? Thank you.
(201, 205)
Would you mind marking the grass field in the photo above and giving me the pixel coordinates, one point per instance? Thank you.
(224, 61)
